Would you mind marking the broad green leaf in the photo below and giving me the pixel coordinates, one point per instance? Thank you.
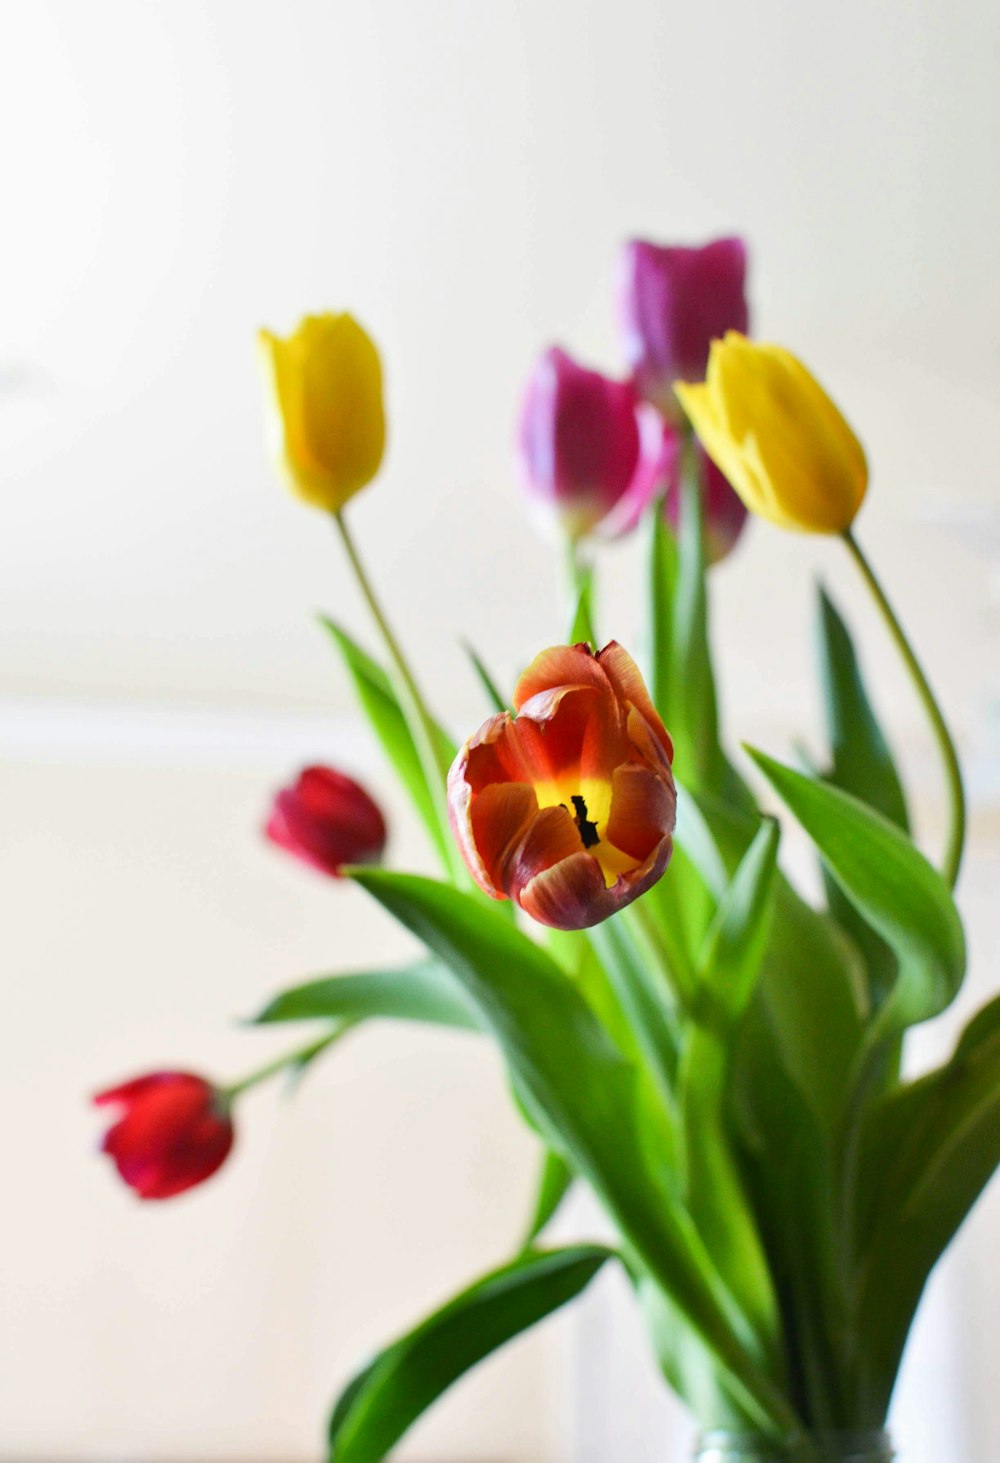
(728, 968)
(730, 957)
(426, 991)
(811, 990)
(647, 1009)
(592, 1106)
(582, 626)
(861, 764)
(554, 1182)
(381, 706)
(929, 1149)
(382, 1402)
(892, 885)
(687, 1364)
(695, 724)
(489, 685)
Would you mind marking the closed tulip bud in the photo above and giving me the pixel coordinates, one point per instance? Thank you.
(673, 303)
(569, 807)
(326, 424)
(173, 1133)
(723, 511)
(578, 444)
(776, 435)
(327, 820)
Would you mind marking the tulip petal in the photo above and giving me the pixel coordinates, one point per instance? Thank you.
(498, 820)
(571, 895)
(625, 677)
(643, 808)
(560, 665)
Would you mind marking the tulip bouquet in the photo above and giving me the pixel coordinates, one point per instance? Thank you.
(716, 1058)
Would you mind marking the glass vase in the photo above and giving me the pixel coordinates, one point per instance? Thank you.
(826, 1447)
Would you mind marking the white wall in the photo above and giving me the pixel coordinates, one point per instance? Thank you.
(460, 174)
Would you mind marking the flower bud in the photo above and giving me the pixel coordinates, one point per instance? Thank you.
(673, 303)
(174, 1132)
(724, 513)
(569, 807)
(578, 442)
(776, 435)
(326, 424)
(327, 820)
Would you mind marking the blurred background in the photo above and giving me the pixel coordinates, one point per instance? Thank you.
(460, 174)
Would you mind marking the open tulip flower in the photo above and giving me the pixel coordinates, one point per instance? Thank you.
(778, 438)
(569, 808)
(174, 1132)
(326, 819)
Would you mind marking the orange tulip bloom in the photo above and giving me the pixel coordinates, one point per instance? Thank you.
(569, 807)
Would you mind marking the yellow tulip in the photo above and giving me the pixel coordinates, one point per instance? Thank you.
(776, 435)
(326, 424)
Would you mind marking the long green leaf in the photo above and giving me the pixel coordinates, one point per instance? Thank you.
(929, 1150)
(861, 764)
(387, 1397)
(554, 1182)
(381, 706)
(892, 885)
(728, 968)
(426, 991)
(592, 1106)
(489, 685)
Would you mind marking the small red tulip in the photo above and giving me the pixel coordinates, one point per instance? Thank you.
(327, 820)
(174, 1132)
(569, 808)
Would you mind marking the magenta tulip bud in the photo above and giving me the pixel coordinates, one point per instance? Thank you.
(659, 476)
(674, 302)
(577, 442)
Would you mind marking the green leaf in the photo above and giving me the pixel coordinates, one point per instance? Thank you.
(929, 1149)
(892, 885)
(426, 991)
(487, 682)
(387, 1397)
(811, 989)
(730, 957)
(381, 706)
(663, 572)
(554, 1183)
(582, 627)
(862, 762)
(592, 1106)
(728, 968)
(862, 765)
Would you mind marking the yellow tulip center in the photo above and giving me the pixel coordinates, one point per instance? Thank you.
(588, 801)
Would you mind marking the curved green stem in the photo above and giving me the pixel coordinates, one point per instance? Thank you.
(296, 1058)
(433, 755)
(946, 747)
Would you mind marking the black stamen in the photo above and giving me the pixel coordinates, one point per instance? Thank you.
(588, 830)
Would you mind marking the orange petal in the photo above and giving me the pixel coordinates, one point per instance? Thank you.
(568, 896)
(560, 665)
(643, 810)
(551, 837)
(624, 675)
(499, 817)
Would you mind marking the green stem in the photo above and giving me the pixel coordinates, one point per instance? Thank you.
(296, 1058)
(946, 747)
(433, 756)
(575, 575)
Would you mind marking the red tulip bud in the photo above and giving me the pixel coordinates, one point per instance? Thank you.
(174, 1132)
(327, 820)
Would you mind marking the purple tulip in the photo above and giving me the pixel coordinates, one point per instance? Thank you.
(674, 302)
(659, 475)
(578, 443)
